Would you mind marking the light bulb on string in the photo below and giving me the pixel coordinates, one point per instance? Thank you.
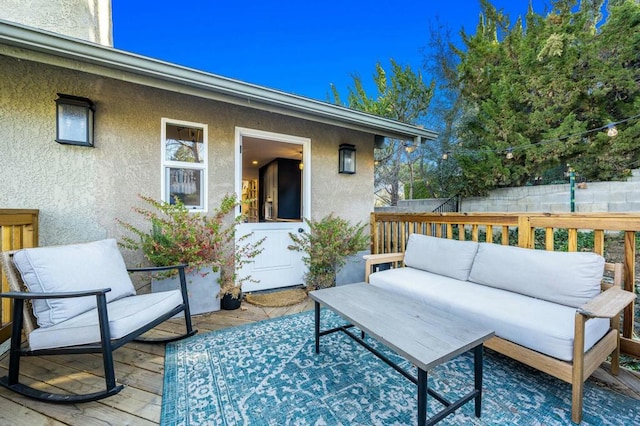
(509, 154)
(409, 148)
(611, 130)
(445, 155)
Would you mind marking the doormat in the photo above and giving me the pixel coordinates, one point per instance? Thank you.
(268, 373)
(277, 299)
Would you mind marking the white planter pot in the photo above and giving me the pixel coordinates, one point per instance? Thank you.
(202, 290)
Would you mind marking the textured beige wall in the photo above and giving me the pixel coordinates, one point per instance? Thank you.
(81, 191)
(84, 19)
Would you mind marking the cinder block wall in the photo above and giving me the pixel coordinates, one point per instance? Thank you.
(613, 197)
(597, 197)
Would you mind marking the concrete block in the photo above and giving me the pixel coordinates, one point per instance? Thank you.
(592, 207)
(559, 207)
(625, 207)
(585, 196)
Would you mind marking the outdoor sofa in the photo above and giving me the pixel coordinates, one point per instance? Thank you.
(549, 310)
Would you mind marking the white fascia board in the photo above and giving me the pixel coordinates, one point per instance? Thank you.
(168, 76)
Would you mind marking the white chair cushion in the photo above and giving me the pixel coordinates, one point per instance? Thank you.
(451, 258)
(125, 315)
(568, 278)
(74, 267)
(543, 326)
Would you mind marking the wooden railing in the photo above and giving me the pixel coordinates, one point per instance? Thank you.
(389, 233)
(18, 229)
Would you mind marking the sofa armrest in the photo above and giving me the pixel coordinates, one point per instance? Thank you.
(378, 259)
(607, 304)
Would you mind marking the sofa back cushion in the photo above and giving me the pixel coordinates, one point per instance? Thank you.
(567, 278)
(74, 267)
(451, 258)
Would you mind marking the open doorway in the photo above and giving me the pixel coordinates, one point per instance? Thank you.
(273, 178)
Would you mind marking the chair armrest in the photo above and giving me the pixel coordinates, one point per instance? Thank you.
(607, 304)
(157, 268)
(58, 295)
(181, 273)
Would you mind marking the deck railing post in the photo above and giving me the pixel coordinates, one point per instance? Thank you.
(525, 237)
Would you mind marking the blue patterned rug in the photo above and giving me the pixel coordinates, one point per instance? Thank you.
(267, 373)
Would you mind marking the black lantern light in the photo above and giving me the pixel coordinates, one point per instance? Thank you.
(347, 159)
(74, 120)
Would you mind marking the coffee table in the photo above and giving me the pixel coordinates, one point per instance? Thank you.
(423, 335)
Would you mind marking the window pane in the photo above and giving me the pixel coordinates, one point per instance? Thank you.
(184, 144)
(186, 185)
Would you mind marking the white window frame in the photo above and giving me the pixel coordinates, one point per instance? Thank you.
(166, 164)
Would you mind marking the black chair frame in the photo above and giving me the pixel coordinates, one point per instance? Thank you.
(106, 346)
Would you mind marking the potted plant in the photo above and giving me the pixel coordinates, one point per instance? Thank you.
(326, 247)
(232, 260)
(206, 243)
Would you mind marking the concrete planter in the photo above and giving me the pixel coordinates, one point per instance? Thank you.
(353, 270)
(202, 288)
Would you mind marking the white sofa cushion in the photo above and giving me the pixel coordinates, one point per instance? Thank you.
(405, 280)
(451, 258)
(537, 324)
(75, 267)
(568, 278)
(125, 316)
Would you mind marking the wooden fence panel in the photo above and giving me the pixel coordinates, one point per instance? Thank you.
(18, 229)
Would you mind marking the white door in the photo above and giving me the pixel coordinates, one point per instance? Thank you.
(276, 266)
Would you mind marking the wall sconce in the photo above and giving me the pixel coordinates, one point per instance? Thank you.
(347, 159)
(74, 120)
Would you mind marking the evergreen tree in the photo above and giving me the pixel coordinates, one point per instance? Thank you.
(537, 89)
(404, 96)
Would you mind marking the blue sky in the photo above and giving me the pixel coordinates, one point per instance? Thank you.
(296, 46)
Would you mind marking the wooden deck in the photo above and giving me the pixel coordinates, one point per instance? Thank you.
(140, 368)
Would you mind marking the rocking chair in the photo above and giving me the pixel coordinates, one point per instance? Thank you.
(80, 300)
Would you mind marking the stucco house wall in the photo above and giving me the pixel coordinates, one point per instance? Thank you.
(88, 20)
(81, 191)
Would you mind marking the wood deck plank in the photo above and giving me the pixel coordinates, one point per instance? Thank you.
(140, 367)
(12, 413)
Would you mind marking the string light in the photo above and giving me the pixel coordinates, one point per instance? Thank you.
(509, 154)
(612, 131)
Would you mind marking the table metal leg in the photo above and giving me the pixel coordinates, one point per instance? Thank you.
(422, 397)
(317, 326)
(477, 364)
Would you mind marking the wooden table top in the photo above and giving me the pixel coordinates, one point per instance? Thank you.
(424, 335)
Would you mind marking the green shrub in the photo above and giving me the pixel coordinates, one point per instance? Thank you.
(326, 247)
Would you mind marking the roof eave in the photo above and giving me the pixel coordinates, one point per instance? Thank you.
(230, 90)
